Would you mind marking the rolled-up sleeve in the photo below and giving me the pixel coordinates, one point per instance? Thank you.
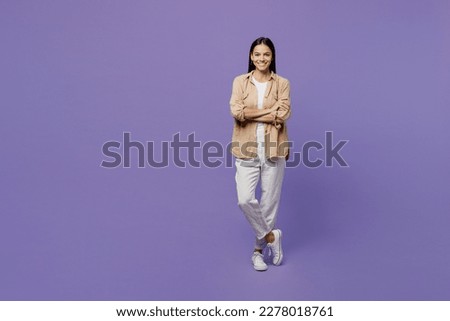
(236, 102)
(283, 103)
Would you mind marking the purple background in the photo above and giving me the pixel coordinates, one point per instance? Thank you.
(76, 74)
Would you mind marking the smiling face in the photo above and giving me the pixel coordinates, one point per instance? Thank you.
(261, 57)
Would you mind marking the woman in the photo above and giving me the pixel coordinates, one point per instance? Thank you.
(260, 105)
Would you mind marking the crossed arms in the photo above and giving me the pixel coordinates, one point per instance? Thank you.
(276, 115)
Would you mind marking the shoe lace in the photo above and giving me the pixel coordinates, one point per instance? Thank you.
(257, 256)
(269, 249)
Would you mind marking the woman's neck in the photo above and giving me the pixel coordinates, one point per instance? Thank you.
(261, 76)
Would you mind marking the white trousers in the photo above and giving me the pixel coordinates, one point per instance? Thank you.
(261, 215)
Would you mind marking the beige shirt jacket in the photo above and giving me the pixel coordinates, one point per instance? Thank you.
(274, 113)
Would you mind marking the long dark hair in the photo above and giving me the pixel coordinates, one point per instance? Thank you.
(268, 43)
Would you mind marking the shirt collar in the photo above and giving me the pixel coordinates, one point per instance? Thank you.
(250, 75)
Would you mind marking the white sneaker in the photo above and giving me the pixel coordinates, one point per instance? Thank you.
(258, 261)
(276, 248)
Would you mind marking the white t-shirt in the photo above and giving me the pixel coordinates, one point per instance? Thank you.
(261, 88)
